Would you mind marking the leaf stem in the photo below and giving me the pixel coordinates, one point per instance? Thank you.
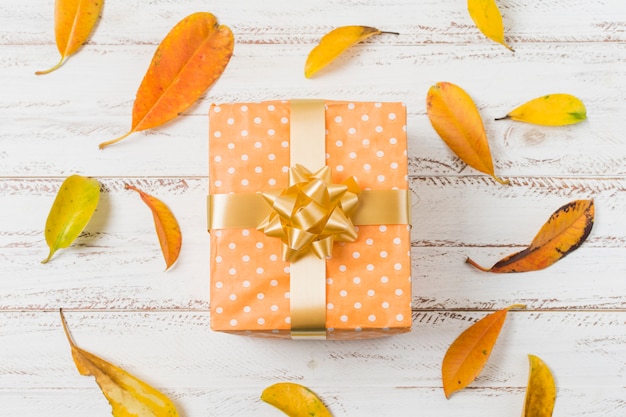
(390, 33)
(45, 261)
(111, 142)
(475, 265)
(49, 70)
(65, 329)
(503, 118)
(501, 181)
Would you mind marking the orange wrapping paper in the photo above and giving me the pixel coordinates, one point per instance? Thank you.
(368, 282)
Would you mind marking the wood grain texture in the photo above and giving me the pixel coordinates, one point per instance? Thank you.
(453, 218)
(281, 21)
(121, 305)
(199, 370)
(45, 112)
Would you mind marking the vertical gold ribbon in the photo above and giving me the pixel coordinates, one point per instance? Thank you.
(308, 274)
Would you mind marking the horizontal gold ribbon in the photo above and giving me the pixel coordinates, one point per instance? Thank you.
(247, 210)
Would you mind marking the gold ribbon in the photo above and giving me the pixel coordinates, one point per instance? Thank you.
(309, 216)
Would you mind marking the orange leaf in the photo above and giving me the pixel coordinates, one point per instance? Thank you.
(73, 22)
(564, 232)
(468, 354)
(334, 43)
(541, 390)
(128, 395)
(165, 224)
(187, 62)
(455, 118)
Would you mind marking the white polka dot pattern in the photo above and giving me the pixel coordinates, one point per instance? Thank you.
(368, 282)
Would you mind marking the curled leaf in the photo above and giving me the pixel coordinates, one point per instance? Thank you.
(541, 390)
(128, 395)
(455, 118)
(73, 22)
(188, 61)
(334, 43)
(550, 110)
(295, 400)
(488, 19)
(75, 203)
(469, 353)
(564, 232)
(166, 225)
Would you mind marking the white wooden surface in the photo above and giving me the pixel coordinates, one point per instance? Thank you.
(122, 306)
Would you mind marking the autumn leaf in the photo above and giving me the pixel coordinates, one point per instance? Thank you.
(295, 400)
(550, 110)
(188, 61)
(127, 395)
(166, 225)
(73, 22)
(469, 353)
(564, 232)
(334, 43)
(488, 19)
(75, 203)
(541, 390)
(455, 118)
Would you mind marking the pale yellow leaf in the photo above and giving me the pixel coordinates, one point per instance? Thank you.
(128, 395)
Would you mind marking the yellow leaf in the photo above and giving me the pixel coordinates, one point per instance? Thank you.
(73, 22)
(128, 396)
(166, 225)
(541, 390)
(550, 110)
(188, 61)
(295, 400)
(469, 353)
(487, 18)
(455, 118)
(334, 43)
(564, 232)
(72, 209)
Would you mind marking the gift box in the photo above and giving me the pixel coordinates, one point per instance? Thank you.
(309, 224)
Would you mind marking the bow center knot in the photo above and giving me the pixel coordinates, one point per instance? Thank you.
(311, 214)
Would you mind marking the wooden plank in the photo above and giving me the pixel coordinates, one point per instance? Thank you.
(197, 367)
(75, 112)
(120, 264)
(280, 21)
(243, 401)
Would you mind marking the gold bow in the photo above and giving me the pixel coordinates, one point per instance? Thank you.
(311, 214)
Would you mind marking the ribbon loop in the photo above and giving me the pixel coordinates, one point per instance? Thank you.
(311, 214)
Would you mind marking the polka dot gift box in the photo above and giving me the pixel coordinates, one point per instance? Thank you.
(308, 214)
